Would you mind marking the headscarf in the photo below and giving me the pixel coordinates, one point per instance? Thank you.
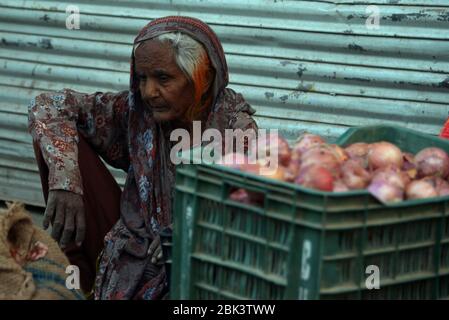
(148, 193)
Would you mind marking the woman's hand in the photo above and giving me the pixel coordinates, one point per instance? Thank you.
(65, 210)
(155, 251)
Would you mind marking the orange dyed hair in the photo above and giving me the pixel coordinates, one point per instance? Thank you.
(203, 77)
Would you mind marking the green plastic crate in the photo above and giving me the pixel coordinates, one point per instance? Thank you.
(306, 244)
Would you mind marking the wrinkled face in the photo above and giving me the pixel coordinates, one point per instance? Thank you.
(163, 86)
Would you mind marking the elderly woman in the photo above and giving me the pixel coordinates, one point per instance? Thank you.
(178, 75)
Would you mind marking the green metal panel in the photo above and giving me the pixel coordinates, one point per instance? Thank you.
(303, 65)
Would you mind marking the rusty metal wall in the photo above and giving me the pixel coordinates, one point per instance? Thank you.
(303, 65)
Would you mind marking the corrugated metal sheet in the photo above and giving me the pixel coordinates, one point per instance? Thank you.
(304, 65)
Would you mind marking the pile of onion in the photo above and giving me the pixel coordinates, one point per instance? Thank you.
(388, 173)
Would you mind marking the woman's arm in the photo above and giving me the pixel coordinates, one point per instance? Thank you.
(55, 119)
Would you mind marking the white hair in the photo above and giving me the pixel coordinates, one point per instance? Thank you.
(188, 52)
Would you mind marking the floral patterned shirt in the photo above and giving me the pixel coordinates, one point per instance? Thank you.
(55, 119)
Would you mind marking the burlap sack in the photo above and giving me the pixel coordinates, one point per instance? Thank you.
(44, 278)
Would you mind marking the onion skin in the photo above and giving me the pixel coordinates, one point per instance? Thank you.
(392, 175)
(363, 162)
(408, 161)
(406, 178)
(432, 162)
(409, 165)
(388, 184)
(421, 189)
(357, 150)
(354, 176)
(383, 154)
(316, 177)
(339, 153)
(386, 192)
(442, 187)
(307, 141)
(322, 156)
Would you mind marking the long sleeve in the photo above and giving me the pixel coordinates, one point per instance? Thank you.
(55, 119)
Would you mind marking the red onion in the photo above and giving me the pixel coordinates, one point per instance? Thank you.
(315, 177)
(421, 189)
(354, 175)
(386, 192)
(339, 153)
(392, 175)
(432, 162)
(240, 195)
(323, 157)
(363, 162)
(388, 184)
(357, 150)
(383, 154)
(409, 165)
(408, 161)
(442, 187)
(307, 141)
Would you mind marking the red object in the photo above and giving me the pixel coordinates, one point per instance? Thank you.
(445, 131)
